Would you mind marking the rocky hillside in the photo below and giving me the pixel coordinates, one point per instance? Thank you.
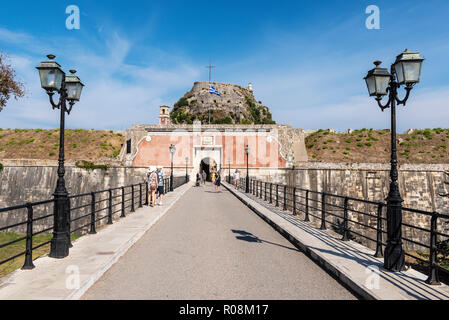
(80, 144)
(235, 105)
(373, 146)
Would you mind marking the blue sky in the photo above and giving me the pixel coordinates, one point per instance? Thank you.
(306, 59)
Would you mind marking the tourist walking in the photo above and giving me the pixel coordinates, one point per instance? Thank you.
(204, 176)
(198, 180)
(213, 177)
(152, 182)
(160, 188)
(236, 178)
(218, 181)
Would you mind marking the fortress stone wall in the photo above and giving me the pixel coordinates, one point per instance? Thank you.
(420, 186)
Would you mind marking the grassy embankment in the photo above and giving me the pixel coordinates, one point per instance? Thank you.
(373, 146)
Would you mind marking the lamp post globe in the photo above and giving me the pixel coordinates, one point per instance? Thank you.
(247, 168)
(172, 149)
(380, 82)
(408, 67)
(53, 79)
(51, 74)
(74, 86)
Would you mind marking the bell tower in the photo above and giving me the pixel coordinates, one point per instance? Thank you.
(164, 116)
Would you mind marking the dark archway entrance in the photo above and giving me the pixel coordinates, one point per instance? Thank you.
(207, 165)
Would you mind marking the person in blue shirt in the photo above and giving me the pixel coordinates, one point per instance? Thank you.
(160, 187)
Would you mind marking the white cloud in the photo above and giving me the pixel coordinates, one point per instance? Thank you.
(116, 95)
(426, 108)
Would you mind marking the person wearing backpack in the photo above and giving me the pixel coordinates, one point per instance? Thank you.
(152, 185)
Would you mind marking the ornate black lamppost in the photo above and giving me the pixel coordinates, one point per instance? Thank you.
(172, 152)
(187, 174)
(69, 88)
(247, 169)
(405, 71)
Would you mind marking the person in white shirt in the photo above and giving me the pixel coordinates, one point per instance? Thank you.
(236, 178)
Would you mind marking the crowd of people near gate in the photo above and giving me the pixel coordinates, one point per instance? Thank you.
(215, 178)
(156, 187)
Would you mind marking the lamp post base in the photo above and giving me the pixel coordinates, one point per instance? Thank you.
(59, 246)
(394, 258)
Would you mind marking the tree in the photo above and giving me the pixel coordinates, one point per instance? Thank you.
(9, 86)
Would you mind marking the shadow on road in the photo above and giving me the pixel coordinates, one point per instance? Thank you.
(249, 237)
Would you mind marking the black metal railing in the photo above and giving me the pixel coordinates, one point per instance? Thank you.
(86, 212)
(361, 220)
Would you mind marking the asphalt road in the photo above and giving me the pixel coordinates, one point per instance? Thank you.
(211, 246)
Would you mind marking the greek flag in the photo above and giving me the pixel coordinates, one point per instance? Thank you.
(213, 90)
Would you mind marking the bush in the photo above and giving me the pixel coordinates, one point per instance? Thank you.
(52, 154)
(368, 144)
(428, 134)
(1, 167)
(90, 166)
(348, 141)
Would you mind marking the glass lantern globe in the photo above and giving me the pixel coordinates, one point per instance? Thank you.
(51, 74)
(247, 149)
(408, 67)
(74, 86)
(377, 80)
(172, 149)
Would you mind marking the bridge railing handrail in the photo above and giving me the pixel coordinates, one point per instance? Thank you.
(138, 195)
(323, 205)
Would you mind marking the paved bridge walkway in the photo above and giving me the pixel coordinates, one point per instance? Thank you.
(211, 246)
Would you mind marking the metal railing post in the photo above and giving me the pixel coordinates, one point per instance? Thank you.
(323, 212)
(345, 221)
(123, 203)
(433, 262)
(69, 222)
(284, 207)
(379, 253)
(110, 207)
(140, 196)
(277, 195)
(146, 194)
(92, 214)
(306, 219)
(28, 265)
(132, 199)
(271, 192)
(257, 188)
(294, 201)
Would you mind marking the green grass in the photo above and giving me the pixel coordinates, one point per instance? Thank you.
(18, 247)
